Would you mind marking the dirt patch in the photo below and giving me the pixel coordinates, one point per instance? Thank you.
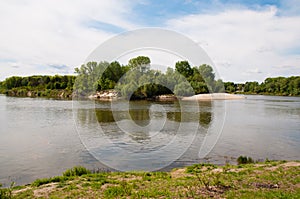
(127, 179)
(44, 190)
(291, 164)
(236, 170)
(218, 170)
(20, 191)
(284, 165)
(179, 173)
(266, 185)
(131, 178)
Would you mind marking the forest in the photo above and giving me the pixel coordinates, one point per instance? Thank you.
(137, 80)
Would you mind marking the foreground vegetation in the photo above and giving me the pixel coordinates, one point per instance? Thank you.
(271, 179)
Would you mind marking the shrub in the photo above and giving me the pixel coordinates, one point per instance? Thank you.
(244, 160)
(39, 182)
(76, 171)
(6, 193)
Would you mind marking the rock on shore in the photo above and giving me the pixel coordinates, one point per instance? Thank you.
(110, 94)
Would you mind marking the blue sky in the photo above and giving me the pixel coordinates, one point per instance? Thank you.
(246, 39)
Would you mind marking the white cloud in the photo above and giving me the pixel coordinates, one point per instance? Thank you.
(247, 39)
(35, 34)
(250, 72)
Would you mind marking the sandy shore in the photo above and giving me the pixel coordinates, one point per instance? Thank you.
(214, 96)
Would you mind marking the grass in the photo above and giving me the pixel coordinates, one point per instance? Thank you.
(6, 193)
(271, 179)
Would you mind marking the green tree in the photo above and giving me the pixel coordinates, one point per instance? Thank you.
(183, 89)
(208, 75)
(142, 63)
(230, 87)
(219, 86)
(252, 87)
(199, 87)
(184, 68)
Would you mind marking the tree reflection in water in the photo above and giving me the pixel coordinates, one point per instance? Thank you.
(140, 129)
(141, 114)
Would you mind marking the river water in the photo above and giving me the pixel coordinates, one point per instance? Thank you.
(43, 137)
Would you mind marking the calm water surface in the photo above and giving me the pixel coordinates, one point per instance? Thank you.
(39, 137)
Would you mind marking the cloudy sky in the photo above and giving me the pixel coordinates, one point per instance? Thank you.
(246, 39)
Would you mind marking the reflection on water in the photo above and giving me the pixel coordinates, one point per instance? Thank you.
(141, 112)
(139, 127)
(142, 116)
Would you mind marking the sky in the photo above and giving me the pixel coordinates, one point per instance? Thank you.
(248, 40)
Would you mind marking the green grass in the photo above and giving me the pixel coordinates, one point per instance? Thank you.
(271, 179)
(76, 171)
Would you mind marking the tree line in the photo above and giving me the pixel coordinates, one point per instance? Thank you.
(38, 86)
(137, 80)
(284, 86)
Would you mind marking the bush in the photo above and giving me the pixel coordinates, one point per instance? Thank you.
(42, 181)
(244, 160)
(76, 171)
(6, 193)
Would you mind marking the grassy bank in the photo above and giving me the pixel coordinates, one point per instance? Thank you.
(275, 179)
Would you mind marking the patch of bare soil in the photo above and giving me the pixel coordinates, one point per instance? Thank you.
(291, 164)
(266, 185)
(284, 165)
(45, 190)
(20, 190)
(127, 179)
(179, 173)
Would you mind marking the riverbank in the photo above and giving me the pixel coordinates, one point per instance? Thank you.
(114, 95)
(271, 179)
(108, 95)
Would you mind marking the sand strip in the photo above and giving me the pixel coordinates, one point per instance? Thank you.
(214, 96)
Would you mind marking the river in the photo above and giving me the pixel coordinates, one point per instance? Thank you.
(44, 137)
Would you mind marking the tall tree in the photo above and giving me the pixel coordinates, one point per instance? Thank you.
(208, 75)
(140, 62)
(184, 68)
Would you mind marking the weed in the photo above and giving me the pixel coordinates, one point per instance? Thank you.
(244, 160)
(115, 191)
(42, 181)
(76, 171)
(6, 193)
